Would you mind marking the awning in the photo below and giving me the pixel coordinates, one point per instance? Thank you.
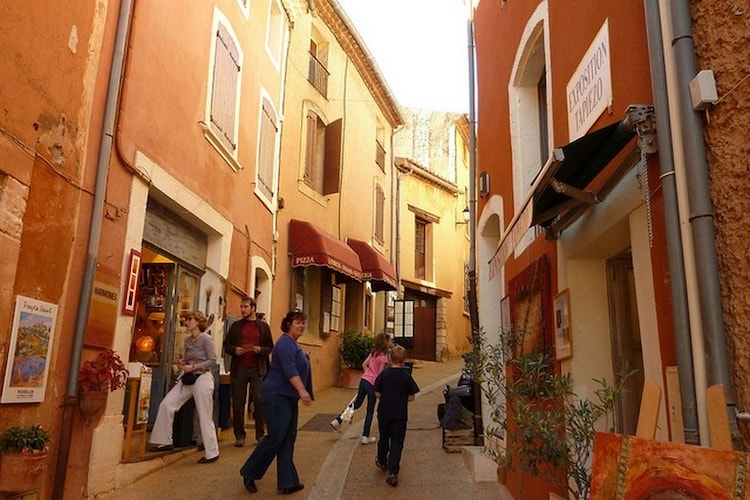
(561, 183)
(311, 246)
(375, 267)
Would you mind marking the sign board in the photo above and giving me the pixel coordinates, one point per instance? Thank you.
(589, 90)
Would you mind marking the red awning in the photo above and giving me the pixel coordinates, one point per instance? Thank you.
(375, 267)
(311, 246)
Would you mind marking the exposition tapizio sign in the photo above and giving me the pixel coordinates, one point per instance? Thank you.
(589, 90)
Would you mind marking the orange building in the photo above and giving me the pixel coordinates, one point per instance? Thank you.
(576, 221)
(140, 144)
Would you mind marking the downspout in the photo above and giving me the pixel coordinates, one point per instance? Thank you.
(675, 259)
(473, 299)
(701, 212)
(84, 299)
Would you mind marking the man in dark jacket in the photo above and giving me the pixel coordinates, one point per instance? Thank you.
(249, 342)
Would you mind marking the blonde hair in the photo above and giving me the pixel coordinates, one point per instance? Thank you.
(200, 318)
(398, 354)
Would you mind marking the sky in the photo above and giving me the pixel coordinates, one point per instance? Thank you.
(421, 48)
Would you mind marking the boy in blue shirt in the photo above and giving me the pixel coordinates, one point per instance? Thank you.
(395, 388)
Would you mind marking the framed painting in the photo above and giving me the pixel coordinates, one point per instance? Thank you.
(29, 351)
(563, 333)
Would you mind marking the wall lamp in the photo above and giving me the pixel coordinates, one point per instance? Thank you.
(466, 213)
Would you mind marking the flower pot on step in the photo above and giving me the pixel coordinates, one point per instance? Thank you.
(351, 378)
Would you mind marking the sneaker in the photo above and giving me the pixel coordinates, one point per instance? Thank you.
(336, 424)
(392, 479)
(239, 443)
(380, 466)
(369, 439)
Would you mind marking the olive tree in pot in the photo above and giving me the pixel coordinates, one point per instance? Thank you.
(355, 347)
(547, 429)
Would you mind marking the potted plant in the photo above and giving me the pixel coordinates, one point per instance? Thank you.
(23, 457)
(355, 347)
(106, 373)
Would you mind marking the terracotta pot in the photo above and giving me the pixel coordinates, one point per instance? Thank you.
(351, 378)
(91, 402)
(21, 472)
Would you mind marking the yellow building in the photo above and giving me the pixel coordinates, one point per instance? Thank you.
(334, 228)
(433, 235)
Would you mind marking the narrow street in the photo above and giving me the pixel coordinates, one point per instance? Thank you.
(333, 465)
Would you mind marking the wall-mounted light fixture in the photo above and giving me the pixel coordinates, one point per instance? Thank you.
(466, 213)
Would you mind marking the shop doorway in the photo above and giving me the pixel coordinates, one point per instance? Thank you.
(168, 290)
(625, 335)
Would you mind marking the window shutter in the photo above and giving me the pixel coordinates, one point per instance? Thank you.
(268, 129)
(224, 90)
(332, 166)
(379, 213)
(311, 124)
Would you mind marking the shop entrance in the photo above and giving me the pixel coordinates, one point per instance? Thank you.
(168, 289)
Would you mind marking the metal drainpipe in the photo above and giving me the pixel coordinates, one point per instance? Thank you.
(672, 225)
(701, 211)
(84, 299)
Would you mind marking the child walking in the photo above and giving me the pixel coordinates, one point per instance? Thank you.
(373, 365)
(395, 388)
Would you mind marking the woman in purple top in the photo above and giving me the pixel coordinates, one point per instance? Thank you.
(372, 366)
(288, 380)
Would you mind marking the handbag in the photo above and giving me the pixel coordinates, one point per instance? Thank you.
(189, 378)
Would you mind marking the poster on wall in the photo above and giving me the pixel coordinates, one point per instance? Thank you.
(29, 352)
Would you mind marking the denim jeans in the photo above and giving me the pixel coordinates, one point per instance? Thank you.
(281, 414)
(368, 390)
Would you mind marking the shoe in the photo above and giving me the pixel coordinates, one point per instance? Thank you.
(392, 479)
(259, 437)
(292, 489)
(239, 442)
(161, 447)
(204, 460)
(380, 466)
(369, 439)
(336, 424)
(250, 485)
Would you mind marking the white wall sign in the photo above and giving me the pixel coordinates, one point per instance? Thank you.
(589, 91)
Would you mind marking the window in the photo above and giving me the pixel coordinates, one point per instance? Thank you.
(379, 214)
(335, 308)
(317, 72)
(529, 112)
(379, 149)
(275, 32)
(322, 154)
(267, 149)
(403, 319)
(420, 249)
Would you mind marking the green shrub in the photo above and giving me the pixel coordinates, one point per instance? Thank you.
(355, 347)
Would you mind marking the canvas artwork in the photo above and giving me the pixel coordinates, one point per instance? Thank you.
(630, 468)
(29, 352)
(530, 304)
